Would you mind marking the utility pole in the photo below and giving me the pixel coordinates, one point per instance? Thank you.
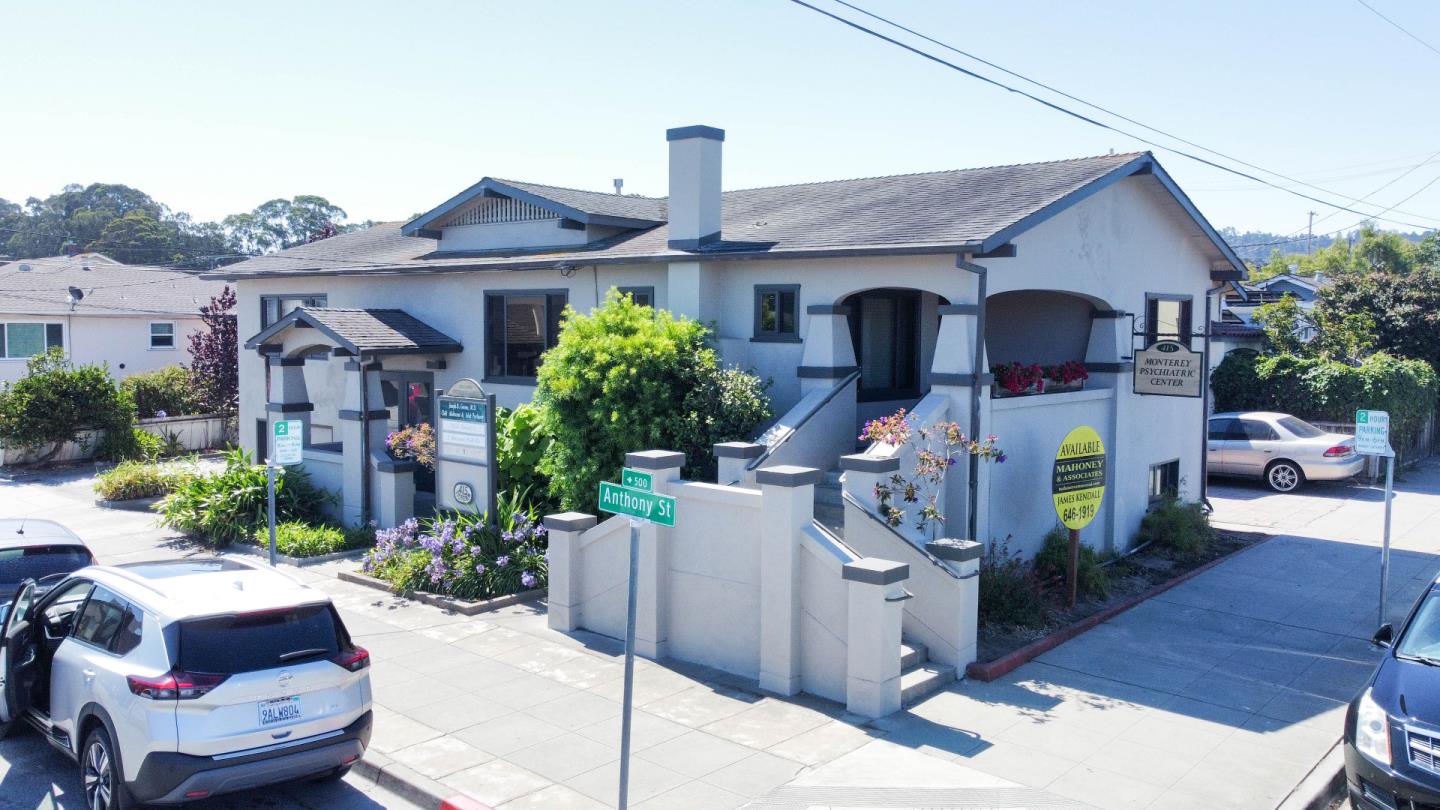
(1310, 235)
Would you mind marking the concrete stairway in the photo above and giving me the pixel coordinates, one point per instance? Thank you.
(829, 505)
(918, 676)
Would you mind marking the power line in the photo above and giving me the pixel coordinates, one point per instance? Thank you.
(1399, 27)
(1388, 184)
(1081, 117)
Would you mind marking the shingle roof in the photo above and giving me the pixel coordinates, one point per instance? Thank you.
(41, 287)
(631, 206)
(372, 331)
(931, 212)
(1236, 330)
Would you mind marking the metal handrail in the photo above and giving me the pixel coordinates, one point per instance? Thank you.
(935, 561)
(770, 449)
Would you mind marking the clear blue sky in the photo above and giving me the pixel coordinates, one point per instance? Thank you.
(389, 108)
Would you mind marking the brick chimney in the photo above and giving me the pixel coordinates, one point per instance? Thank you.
(694, 186)
(72, 248)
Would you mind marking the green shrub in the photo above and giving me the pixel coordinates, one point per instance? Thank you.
(56, 400)
(224, 507)
(131, 444)
(137, 479)
(628, 378)
(1053, 563)
(456, 553)
(1182, 528)
(297, 539)
(1010, 593)
(163, 392)
(520, 444)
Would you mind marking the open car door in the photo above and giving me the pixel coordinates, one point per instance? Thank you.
(17, 656)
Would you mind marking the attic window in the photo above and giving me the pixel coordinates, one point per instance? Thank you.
(496, 210)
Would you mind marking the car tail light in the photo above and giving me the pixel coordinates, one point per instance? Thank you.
(176, 685)
(353, 659)
(1339, 450)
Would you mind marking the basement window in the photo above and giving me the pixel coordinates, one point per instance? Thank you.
(777, 312)
(1164, 481)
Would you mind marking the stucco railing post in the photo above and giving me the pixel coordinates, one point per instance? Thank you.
(732, 458)
(872, 673)
(829, 353)
(355, 466)
(787, 506)
(963, 557)
(652, 624)
(288, 398)
(1111, 341)
(863, 472)
(953, 373)
(563, 532)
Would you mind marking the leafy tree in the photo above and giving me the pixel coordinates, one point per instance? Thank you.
(1381, 252)
(215, 356)
(1284, 323)
(136, 238)
(56, 400)
(282, 223)
(1405, 311)
(628, 378)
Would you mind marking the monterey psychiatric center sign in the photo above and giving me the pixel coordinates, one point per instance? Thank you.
(1168, 368)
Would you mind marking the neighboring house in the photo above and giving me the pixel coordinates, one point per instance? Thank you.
(129, 317)
(858, 297)
(1242, 299)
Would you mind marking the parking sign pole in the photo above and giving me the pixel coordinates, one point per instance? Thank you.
(629, 666)
(1385, 539)
(270, 505)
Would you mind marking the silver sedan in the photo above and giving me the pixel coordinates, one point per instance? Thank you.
(1278, 448)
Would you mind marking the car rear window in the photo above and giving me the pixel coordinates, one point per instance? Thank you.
(253, 641)
(1300, 429)
(34, 562)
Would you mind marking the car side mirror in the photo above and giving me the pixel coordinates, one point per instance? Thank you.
(1384, 636)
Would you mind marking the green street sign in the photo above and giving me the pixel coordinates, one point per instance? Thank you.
(636, 479)
(637, 503)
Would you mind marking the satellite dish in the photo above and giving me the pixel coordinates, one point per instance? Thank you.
(76, 293)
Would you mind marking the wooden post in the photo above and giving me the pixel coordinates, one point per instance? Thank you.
(1072, 570)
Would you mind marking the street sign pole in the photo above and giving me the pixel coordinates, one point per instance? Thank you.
(270, 505)
(1385, 540)
(629, 693)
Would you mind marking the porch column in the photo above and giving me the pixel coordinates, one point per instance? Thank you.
(351, 429)
(829, 353)
(732, 459)
(288, 398)
(953, 374)
(652, 621)
(1107, 359)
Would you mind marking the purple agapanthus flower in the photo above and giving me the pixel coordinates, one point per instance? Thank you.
(503, 560)
(479, 568)
(161, 414)
(527, 579)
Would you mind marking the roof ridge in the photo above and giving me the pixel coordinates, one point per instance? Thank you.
(580, 190)
(942, 171)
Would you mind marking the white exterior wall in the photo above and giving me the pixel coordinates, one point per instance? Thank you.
(535, 233)
(121, 342)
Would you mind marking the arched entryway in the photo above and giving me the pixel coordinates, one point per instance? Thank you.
(893, 331)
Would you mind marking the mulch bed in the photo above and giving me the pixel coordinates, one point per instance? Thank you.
(1132, 580)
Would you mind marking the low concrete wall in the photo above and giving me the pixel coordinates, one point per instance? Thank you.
(200, 432)
(80, 450)
(326, 471)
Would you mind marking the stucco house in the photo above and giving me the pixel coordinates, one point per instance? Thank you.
(858, 297)
(131, 317)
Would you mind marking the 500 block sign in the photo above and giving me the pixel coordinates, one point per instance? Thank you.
(1078, 482)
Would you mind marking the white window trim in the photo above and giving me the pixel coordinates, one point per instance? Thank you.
(174, 336)
(4, 354)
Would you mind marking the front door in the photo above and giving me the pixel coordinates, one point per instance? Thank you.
(18, 655)
(885, 329)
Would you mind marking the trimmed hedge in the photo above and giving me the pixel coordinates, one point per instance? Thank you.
(1328, 390)
(163, 392)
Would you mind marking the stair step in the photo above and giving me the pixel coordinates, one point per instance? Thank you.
(924, 680)
(912, 654)
(831, 479)
(829, 497)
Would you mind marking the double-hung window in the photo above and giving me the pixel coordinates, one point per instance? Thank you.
(275, 307)
(520, 325)
(162, 334)
(777, 314)
(19, 341)
(1168, 317)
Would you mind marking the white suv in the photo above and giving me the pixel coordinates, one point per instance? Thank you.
(173, 681)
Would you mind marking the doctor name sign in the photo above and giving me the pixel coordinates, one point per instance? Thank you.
(1168, 369)
(465, 449)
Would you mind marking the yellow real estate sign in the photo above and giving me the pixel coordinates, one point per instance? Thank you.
(1078, 484)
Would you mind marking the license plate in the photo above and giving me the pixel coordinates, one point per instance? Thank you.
(279, 710)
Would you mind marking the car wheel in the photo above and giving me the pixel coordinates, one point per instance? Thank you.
(1284, 476)
(333, 776)
(100, 775)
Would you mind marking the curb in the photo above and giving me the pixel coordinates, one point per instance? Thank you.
(298, 562)
(990, 670)
(131, 504)
(461, 606)
(404, 782)
(1323, 785)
